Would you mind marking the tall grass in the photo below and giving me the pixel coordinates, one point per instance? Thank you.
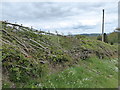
(93, 73)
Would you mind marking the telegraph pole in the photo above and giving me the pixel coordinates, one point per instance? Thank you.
(103, 27)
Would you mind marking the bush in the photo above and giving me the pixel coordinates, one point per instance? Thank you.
(113, 38)
(105, 38)
(99, 38)
(20, 68)
(59, 57)
(80, 36)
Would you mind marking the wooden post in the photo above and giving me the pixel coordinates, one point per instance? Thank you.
(103, 27)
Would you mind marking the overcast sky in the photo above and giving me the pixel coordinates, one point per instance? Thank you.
(65, 17)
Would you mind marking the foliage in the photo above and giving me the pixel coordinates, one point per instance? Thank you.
(19, 67)
(93, 73)
(80, 36)
(29, 56)
(99, 38)
(113, 38)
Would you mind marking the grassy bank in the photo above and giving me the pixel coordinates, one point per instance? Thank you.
(93, 73)
(90, 73)
(32, 58)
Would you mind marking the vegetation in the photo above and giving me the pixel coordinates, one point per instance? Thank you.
(91, 73)
(31, 58)
(99, 38)
(111, 38)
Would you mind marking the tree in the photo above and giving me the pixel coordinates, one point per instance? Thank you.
(99, 38)
(105, 38)
(113, 37)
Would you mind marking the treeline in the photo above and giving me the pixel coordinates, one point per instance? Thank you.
(111, 38)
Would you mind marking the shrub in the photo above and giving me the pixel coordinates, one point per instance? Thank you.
(80, 36)
(99, 38)
(20, 68)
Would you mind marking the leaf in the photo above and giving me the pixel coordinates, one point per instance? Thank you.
(15, 69)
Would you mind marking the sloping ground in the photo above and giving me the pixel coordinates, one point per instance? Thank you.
(28, 53)
(95, 73)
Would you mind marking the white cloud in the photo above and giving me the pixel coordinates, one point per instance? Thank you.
(82, 17)
(60, 0)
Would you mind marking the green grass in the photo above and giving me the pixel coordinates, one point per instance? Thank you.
(92, 73)
(22, 57)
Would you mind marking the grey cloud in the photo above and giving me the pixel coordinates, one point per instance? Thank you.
(47, 12)
(35, 11)
(44, 11)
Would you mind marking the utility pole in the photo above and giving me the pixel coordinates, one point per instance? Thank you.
(103, 27)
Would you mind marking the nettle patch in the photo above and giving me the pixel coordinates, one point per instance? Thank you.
(19, 67)
(59, 57)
